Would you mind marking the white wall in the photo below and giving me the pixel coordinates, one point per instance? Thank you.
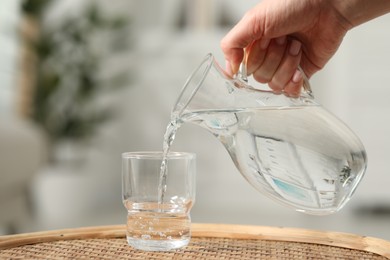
(357, 87)
(9, 15)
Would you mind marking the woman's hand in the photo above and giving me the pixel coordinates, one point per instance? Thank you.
(280, 35)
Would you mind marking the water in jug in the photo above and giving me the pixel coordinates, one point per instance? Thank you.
(289, 148)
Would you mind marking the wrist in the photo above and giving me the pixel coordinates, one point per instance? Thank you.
(356, 12)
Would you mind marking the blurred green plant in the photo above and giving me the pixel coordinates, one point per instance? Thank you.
(71, 56)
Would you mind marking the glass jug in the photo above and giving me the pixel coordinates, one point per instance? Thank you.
(291, 149)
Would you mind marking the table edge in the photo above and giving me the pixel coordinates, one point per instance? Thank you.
(337, 239)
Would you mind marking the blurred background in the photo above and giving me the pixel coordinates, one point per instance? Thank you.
(84, 81)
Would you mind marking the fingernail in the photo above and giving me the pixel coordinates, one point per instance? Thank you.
(281, 40)
(228, 68)
(297, 77)
(295, 47)
(264, 43)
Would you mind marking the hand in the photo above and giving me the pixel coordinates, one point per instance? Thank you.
(280, 35)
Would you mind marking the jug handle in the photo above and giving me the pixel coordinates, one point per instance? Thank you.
(243, 75)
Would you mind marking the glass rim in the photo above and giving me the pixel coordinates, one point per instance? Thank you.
(157, 155)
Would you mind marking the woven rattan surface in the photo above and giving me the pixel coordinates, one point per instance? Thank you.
(208, 242)
(199, 248)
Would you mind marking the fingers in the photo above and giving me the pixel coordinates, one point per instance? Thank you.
(256, 55)
(293, 86)
(241, 36)
(273, 57)
(277, 64)
(286, 69)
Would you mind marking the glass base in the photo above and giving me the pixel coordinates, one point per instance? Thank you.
(157, 245)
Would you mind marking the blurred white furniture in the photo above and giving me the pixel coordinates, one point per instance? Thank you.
(22, 151)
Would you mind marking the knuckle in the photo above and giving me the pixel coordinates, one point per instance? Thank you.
(224, 45)
(275, 85)
(254, 24)
(261, 78)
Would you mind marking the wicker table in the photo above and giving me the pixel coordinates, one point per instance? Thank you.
(209, 241)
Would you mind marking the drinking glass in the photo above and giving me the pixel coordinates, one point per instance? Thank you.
(156, 222)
